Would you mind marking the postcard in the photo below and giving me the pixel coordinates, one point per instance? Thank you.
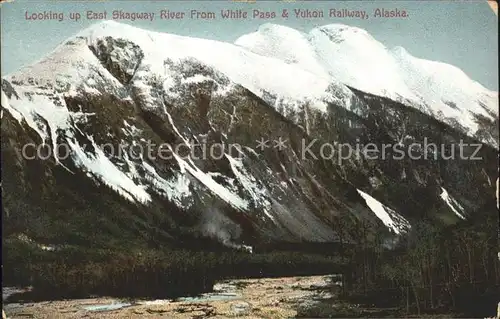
(249, 159)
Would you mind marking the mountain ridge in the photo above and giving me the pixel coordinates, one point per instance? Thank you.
(355, 58)
(325, 66)
(120, 85)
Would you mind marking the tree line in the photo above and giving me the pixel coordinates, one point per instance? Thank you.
(431, 270)
(146, 273)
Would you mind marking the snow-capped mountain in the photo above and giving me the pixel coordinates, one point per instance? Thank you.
(113, 86)
(352, 56)
(255, 72)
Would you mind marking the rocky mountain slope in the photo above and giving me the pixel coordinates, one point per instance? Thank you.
(131, 115)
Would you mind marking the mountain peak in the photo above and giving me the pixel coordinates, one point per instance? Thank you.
(342, 28)
(106, 24)
(346, 32)
(110, 28)
(400, 51)
(350, 55)
(269, 27)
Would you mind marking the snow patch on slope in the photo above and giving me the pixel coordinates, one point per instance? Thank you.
(176, 189)
(30, 117)
(222, 192)
(257, 192)
(100, 166)
(395, 222)
(6, 105)
(452, 203)
(43, 102)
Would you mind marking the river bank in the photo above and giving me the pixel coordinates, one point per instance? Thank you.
(242, 298)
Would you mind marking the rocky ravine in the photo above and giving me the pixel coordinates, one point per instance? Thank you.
(117, 85)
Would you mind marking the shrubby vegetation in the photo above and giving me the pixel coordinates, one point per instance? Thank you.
(167, 273)
(433, 270)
